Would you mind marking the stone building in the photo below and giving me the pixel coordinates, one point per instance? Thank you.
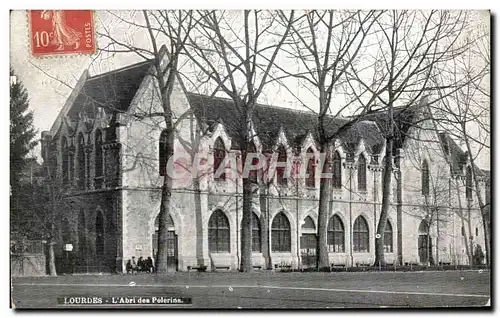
(106, 145)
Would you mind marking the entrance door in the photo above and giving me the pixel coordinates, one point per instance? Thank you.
(424, 244)
(308, 244)
(172, 244)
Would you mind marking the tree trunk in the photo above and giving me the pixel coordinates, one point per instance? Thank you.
(166, 194)
(264, 226)
(462, 231)
(386, 191)
(484, 216)
(246, 227)
(199, 222)
(52, 259)
(324, 195)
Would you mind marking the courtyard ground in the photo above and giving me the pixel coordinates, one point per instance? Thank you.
(266, 289)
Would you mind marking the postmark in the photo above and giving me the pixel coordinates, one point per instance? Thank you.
(54, 32)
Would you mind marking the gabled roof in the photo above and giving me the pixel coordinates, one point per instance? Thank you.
(113, 90)
(457, 157)
(268, 120)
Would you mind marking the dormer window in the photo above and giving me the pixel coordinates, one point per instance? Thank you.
(361, 173)
(311, 169)
(219, 155)
(280, 171)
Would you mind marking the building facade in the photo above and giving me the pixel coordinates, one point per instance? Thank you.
(106, 147)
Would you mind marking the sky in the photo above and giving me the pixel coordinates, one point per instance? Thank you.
(49, 89)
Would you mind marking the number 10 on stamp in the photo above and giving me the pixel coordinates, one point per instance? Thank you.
(62, 32)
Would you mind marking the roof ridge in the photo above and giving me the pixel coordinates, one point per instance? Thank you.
(293, 110)
(118, 70)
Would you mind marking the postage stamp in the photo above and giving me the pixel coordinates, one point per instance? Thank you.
(62, 32)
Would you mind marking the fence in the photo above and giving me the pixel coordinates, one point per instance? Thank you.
(27, 258)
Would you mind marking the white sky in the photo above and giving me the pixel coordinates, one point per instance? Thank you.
(47, 95)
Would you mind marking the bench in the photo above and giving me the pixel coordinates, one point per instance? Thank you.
(257, 266)
(336, 266)
(198, 268)
(222, 267)
(283, 266)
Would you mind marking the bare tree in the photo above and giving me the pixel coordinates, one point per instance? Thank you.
(237, 62)
(173, 27)
(464, 113)
(411, 44)
(325, 44)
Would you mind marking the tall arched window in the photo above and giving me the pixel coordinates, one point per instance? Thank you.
(280, 171)
(98, 159)
(337, 171)
(468, 183)
(425, 177)
(99, 234)
(280, 229)
(162, 155)
(81, 161)
(311, 169)
(65, 160)
(82, 237)
(361, 173)
(388, 238)
(256, 243)
(360, 238)
(218, 233)
(219, 155)
(336, 235)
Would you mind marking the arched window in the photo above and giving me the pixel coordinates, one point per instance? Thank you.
(311, 169)
(361, 173)
(280, 229)
(337, 171)
(81, 161)
(256, 243)
(360, 233)
(388, 238)
(65, 160)
(423, 228)
(336, 235)
(425, 177)
(280, 171)
(162, 155)
(218, 233)
(468, 183)
(82, 237)
(219, 155)
(253, 174)
(99, 234)
(98, 159)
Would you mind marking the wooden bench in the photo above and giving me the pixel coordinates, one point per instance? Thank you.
(198, 268)
(283, 266)
(333, 266)
(222, 267)
(257, 266)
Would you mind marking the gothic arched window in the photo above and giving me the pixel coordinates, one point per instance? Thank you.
(218, 233)
(336, 235)
(361, 173)
(361, 239)
(337, 171)
(280, 230)
(425, 177)
(311, 169)
(219, 155)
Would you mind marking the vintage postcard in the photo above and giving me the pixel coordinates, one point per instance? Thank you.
(250, 159)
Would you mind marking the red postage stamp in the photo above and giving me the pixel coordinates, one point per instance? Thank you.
(62, 32)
